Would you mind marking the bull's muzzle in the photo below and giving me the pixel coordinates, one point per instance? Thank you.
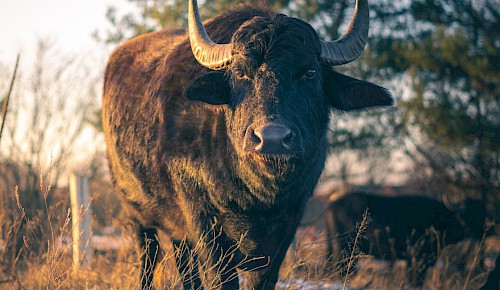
(272, 139)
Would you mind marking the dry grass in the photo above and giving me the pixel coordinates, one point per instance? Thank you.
(461, 266)
(451, 272)
(354, 251)
(43, 260)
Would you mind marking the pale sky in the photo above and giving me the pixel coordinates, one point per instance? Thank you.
(68, 23)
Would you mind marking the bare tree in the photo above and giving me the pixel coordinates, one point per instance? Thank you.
(44, 131)
(47, 118)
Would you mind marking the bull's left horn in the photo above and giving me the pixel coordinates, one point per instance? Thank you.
(207, 53)
(348, 47)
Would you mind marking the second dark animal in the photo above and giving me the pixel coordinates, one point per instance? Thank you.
(401, 227)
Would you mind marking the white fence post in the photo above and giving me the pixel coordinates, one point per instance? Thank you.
(80, 216)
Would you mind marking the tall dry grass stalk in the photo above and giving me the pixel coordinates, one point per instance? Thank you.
(7, 96)
(354, 247)
(488, 226)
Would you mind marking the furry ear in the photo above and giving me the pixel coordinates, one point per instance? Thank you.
(347, 93)
(211, 88)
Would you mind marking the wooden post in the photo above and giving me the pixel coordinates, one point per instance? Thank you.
(80, 216)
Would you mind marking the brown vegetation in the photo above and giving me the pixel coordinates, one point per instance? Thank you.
(44, 259)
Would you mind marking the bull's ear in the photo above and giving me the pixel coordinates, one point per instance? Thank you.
(346, 93)
(211, 88)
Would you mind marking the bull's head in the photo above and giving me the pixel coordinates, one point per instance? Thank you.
(276, 82)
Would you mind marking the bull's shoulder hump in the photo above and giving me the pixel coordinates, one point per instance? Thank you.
(133, 63)
(153, 41)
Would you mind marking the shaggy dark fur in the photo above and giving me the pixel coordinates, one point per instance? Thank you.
(401, 227)
(182, 149)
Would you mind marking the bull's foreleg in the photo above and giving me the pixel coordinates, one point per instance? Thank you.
(266, 276)
(206, 262)
(150, 248)
(187, 264)
(263, 274)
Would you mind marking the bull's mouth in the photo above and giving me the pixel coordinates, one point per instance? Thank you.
(264, 172)
(271, 158)
(279, 162)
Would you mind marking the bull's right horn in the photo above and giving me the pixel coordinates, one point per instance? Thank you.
(207, 53)
(350, 45)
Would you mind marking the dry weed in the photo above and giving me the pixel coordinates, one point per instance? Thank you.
(44, 260)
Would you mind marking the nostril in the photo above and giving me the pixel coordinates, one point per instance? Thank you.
(272, 136)
(288, 139)
(256, 137)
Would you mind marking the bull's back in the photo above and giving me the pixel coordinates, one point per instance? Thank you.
(407, 211)
(398, 217)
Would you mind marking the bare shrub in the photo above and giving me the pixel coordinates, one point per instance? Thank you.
(45, 124)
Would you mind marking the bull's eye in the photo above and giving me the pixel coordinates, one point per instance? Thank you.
(239, 74)
(310, 74)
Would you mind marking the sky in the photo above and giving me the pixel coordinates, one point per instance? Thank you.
(67, 23)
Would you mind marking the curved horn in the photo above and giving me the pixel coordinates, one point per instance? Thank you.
(207, 53)
(348, 47)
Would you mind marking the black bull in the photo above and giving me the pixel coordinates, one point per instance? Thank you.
(222, 147)
(400, 227)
